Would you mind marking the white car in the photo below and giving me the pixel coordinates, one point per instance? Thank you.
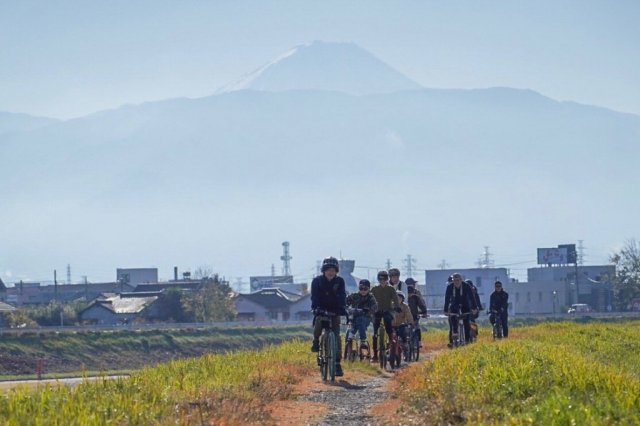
(579, 308)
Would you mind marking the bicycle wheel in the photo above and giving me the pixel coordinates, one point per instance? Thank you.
(461, 333)
(393, 354)
(349, 353)
(322, 357)
(415, 345)
(332, 353)
(382, 350)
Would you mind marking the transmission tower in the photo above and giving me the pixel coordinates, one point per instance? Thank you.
(388, 264)
(409, 265)
(580, 252)
(485, 261)
(286, 258)
(68, 273)
(443, 264)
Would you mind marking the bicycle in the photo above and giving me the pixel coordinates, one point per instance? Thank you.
(350, 354)
(382, 349)
(459, 338)
(414, 342)
(498, 332)
(328, 353)
(395, 350)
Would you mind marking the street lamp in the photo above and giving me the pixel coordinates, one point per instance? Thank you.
(555, 296)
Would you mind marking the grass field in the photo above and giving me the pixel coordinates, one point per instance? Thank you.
(547, 374)
(557, 373)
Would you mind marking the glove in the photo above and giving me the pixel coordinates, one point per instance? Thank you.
(398, 309)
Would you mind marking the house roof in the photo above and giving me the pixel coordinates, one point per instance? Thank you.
(183, 285)
(5, 307)
(124, 305)
(270, 298)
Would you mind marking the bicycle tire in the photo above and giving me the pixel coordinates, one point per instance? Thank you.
(324, 371)
(462, 336)
(416, 347)
(332, 353)
(382, 350)
(349, 352)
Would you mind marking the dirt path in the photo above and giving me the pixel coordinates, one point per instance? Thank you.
(351, 400)
(355, 399)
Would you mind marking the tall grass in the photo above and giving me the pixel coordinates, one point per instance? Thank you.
(230, 387)
(561, 373)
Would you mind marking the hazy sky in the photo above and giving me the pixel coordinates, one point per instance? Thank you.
(69, 58)
(66, 59)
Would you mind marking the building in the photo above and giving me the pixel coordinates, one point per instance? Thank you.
(267, 304)
(483, 279)
(574, 284)
(24, 293)
(120, 309)
(135, 276)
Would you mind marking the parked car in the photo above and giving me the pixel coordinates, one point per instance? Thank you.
(579, 308)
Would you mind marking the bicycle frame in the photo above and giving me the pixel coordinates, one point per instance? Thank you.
(459, 338)
(498, 332)
(327, 356)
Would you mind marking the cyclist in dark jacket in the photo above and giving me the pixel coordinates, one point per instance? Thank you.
(498, 307)
(365, 301)
(416, 305)
(328, 293)
(472, 320)
(459, 297)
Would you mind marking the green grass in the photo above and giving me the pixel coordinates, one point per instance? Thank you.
(554, 373)
(232, 386)
(107, 351)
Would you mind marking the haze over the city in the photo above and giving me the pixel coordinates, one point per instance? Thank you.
(205, 134)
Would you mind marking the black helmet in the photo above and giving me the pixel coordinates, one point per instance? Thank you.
(330, 262)
(383, 274)
(365, 283)
(394, 272)
(410, 282)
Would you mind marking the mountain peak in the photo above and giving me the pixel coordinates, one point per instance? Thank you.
(333, 66)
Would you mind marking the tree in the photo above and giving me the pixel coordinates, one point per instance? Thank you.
(211, 303)
(626, 284)
(171, 308)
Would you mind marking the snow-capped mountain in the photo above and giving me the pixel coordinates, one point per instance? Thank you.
(341, 67)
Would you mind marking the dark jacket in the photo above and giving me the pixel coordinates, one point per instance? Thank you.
(476, 296)
(463, 297)
(358, 301)
(499, 301)
(416, 304)
(329, 295)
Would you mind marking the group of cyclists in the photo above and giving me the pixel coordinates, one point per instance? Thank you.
(386, 305)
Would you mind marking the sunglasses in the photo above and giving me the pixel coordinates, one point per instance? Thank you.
(364, 288)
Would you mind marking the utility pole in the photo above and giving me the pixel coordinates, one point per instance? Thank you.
(388, 264)
(443, 265)
(55, 284)
(68, 273)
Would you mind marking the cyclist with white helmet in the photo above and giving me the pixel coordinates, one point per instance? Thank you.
(402, 319)
(328, 293)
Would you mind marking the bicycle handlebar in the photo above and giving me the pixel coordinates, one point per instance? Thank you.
(323, 312)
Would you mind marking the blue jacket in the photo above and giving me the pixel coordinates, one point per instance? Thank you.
(329, 295)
